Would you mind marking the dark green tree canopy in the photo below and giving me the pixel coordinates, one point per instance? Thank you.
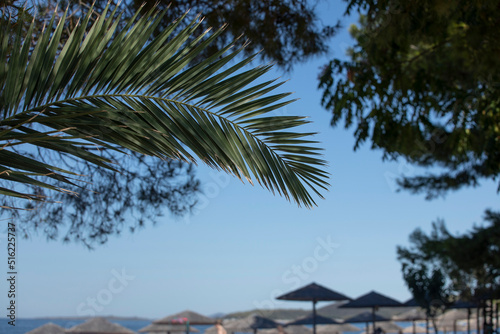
(286, 32)
(422, 84)
(470, 262)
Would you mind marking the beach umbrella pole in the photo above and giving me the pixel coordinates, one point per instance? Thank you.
(478, 323)
(313, 292)
(468, 320)
(314, 316)
(496, 314)
(373, 318)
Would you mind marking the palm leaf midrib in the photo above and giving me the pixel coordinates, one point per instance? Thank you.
(226, 120)
(139, 96)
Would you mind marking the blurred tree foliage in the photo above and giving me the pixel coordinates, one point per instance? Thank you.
(287, 31)
(467, 265)
(428, 287)
(422, 84)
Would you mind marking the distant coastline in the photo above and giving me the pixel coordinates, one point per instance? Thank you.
(24, 325)
(76, 318)
(330, 311)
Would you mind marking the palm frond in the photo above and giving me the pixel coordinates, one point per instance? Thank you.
(120, 90)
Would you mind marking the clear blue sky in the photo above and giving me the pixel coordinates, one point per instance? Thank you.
(245, 246)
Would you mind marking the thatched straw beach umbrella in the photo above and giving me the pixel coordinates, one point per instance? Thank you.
(186, 318)
(390, 327)
(161, 328)
(293, 329)
(339, 328)
(448, 320)
(49, 328)
(180, 318)
(314, 293)
(414, 329)
(461, 304)
(99, 326)
(250, 324)
(412, 315)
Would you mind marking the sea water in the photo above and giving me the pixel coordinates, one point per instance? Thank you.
(25, 325)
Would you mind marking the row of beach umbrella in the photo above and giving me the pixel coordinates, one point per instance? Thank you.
(315, 293)
(178, 323)
(374, 301)
(182, 322)
(94, 325)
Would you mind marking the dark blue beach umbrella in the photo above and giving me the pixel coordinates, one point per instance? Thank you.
(365, 317)
(313, 293)
(310, 319)
(411, 302)
(374, 300)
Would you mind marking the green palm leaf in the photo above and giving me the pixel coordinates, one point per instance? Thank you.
(119, 90)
